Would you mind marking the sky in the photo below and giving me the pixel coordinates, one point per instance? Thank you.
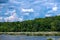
(21, 10)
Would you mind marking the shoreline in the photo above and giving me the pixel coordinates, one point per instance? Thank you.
(32, 33)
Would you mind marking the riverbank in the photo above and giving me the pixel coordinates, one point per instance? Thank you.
(32, 33)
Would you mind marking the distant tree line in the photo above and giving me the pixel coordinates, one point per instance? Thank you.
(36, 25)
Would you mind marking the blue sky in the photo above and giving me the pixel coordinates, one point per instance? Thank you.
(20, 10)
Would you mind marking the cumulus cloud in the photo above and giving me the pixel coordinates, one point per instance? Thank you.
(27, 10)
(15, 2)
(20, 19)
(10, 12)
(11, 18)
(55, 8)
(14, 9)
(1, 18)
(47, 15)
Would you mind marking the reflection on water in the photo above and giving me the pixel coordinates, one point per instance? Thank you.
(19, 37)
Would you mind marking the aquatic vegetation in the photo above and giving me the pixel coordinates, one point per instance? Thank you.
(49, 39)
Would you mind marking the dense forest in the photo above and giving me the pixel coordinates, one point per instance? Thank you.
(36, 25)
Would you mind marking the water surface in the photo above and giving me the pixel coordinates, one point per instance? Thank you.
(19, 37)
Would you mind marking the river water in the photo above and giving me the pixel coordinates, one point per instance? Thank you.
(19, 37)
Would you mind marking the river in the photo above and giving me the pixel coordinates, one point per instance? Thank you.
(19, 37)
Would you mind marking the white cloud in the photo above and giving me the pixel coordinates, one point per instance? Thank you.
(26, 14)
(6, 19)
(14, 1)
(10, 12)
(47, 15)
(58, 14)
(1, 18)
(11, 18)
(20, 19)
(55, 8)
(27, 10)
(24, 7)
(49, 11)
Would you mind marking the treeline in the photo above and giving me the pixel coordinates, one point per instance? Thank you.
(36, 25)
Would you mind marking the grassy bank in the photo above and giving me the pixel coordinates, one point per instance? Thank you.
(32, 33)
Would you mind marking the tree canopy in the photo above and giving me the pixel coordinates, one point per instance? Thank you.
(36, 25)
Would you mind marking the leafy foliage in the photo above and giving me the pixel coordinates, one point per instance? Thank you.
(36, 25)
